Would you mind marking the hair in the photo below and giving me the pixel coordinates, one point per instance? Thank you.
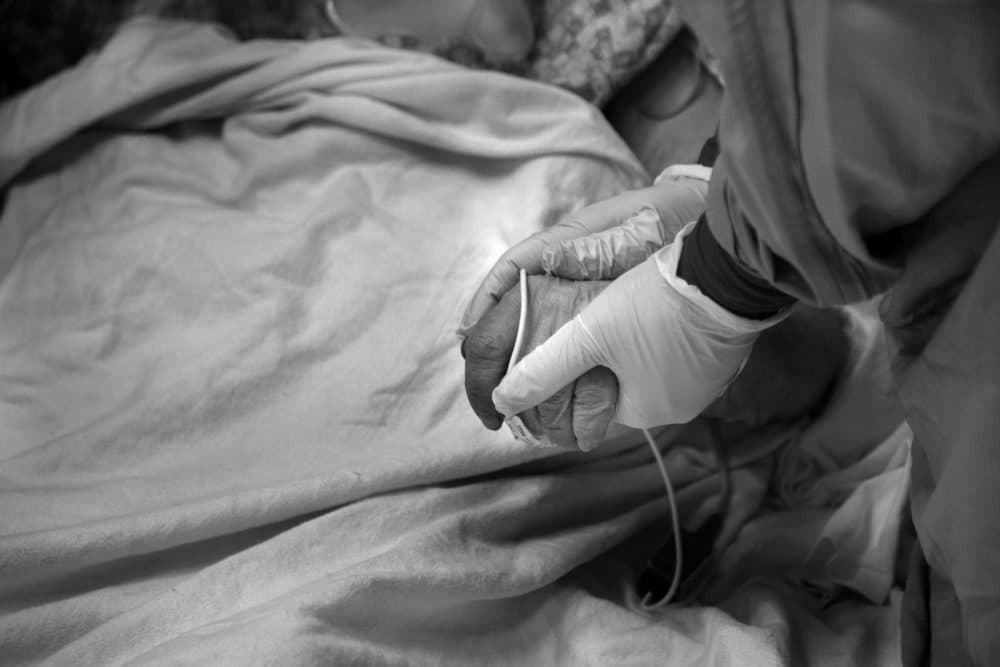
(39, 39)
(247, 19)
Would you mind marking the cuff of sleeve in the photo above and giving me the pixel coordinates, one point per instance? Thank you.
(676, 172)
(706, 265)
(722, 320)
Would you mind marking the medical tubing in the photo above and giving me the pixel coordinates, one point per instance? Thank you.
(521, 320)
(676, 526)
(674, 518)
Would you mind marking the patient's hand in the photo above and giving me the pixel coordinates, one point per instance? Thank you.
(575, 417)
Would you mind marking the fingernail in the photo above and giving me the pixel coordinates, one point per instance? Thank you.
(501, 403)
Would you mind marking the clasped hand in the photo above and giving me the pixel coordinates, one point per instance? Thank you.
(614, 334)
(592, 247)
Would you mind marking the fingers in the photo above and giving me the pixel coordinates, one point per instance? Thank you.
(528, 253)
(557, 362)
(556, 416)
(607, 254)
(577, 416)
(658, 214)
(677, 172)
(680, 198)
(501, 278)
(595, 396)
(487, 349)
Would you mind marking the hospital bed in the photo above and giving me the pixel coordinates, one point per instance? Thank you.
(232, 420)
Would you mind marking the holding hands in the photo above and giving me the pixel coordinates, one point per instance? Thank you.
(597, 244)
(613, 333)
(676, 202)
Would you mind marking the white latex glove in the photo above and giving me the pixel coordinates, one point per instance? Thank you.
(672, 348)
(677, 198)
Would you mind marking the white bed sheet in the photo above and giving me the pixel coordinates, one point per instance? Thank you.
(232, 424)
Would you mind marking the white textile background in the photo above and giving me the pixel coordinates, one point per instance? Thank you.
(232, 423)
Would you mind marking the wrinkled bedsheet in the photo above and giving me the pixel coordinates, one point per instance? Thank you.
(232, 423)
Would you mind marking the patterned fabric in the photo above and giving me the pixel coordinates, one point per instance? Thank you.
(591, 47)
(594, 47)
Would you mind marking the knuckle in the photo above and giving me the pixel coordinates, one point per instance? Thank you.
(555, 410)
(555, 415)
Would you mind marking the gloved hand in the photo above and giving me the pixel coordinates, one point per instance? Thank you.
(678, 197)
(672, 349)
(793, 364)
(576, 416)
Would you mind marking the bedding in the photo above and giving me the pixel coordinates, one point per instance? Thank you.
(232, 424)
(592, 47)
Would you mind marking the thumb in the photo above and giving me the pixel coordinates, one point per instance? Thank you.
(504, 275)
(566, 355)
(607, 254)
(501, 278)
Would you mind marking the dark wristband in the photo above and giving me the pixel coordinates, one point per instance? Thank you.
(706, 265)
(709, 151)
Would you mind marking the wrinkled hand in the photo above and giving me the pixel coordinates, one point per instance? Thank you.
(577, 415)
(677, 199)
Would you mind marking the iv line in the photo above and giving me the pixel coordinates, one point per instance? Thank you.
(522, 433)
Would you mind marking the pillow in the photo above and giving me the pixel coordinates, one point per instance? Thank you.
(591, 47)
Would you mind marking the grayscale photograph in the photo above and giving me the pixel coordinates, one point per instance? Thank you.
(500, 333)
